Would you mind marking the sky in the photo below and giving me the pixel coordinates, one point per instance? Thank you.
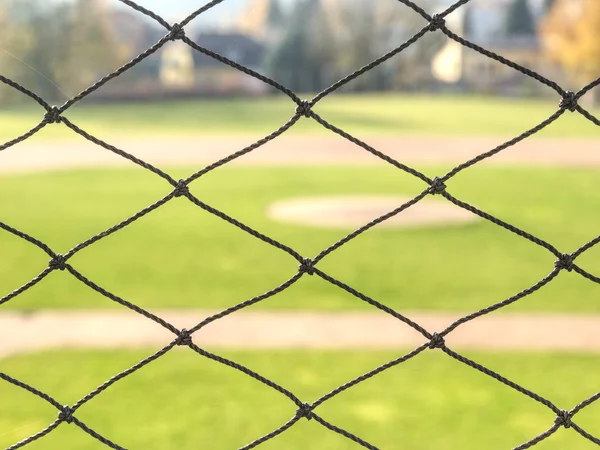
(175, 10)
(178, 9)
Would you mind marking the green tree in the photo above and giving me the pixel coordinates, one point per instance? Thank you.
(302, 60)
(48, 50)
(323, 44)
(90, 48)
(520, 20)
(65, 46)
(14, 41)
(363, 41)
(370, 30)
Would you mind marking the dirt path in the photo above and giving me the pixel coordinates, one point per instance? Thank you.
(21, 333)
(286, 150)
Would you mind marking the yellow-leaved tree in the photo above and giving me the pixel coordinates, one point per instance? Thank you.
(571, 36)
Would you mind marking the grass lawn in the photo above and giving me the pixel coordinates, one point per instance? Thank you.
(391, 114)
(184, 401)
(182, 256)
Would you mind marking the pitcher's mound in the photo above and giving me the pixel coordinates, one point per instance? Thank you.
(356, 211)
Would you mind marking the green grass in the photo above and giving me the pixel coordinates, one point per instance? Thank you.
(392, 114)
(182, 256)
(184, 401)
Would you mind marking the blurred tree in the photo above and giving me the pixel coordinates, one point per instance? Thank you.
(62, 46)
(547, 5)
(46, 25)
(302, 59)
(571, 35)
(275, 23)
(275, 17)
(91, 51)
(369, 31)
(327, 39)
(263, 19)
(14, 41)
(520, 20)
(468, 28)
(362, 40)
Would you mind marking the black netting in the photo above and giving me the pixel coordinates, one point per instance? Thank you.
(568, 102)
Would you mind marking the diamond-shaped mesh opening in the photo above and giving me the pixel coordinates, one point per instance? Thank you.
(178, 190)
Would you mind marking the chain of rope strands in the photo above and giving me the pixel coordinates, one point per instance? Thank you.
(568, 102)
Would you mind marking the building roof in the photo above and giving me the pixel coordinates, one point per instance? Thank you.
(234, 46)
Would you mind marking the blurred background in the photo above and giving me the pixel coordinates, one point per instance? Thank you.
(431, 107)
(60, 47)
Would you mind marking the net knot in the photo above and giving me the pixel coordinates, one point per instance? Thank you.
(437, 186)
(437, 341)
(564, 262)
(59, 262)
(305, 411)
(177, 32)
(53, 115)
(569, 101)
(184, 338)
(307, 266)
(437, 22)
(563, 419)
(304, 108)
(181, 189)
(66, 414)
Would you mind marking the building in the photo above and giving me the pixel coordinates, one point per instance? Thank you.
(484, 22)
(482, 73)
(183, 68)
